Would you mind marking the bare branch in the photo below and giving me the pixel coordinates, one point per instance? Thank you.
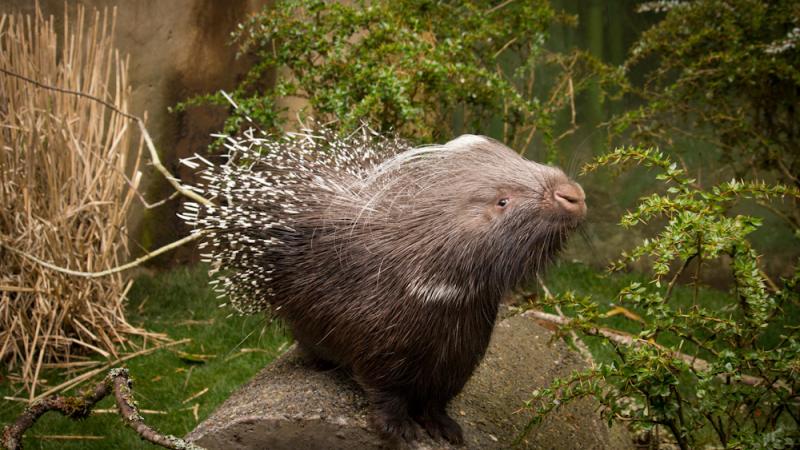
(113, 270)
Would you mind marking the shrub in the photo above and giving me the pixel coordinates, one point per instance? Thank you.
(726, 73)
(410, 66)
(729, 374)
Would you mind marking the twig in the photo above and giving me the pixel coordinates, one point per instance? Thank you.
(194, 396)
(188, 377)
(6, 288)
(245, 351)
(500, 6)
(504, 47)
(156, 161)
(113, 270)
(774, 287)
(579, 344)
(619, 337)
(117, 382)
(680, 271)
(195, 409)
(189, 322)
(67, 437)
(116, 411)
(573, 112)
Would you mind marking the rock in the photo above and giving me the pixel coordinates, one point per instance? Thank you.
(291, 405)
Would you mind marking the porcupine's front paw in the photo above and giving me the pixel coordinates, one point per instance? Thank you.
(441, 426)
(395, 427)
(389, 415)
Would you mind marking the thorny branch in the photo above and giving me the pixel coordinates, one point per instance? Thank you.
(117, 382)
(619, 337)
(579, 344)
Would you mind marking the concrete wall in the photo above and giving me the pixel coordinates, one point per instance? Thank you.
(177, 48)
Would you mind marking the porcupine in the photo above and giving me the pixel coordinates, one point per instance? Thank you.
(388, 260)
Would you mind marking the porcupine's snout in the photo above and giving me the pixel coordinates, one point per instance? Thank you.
(570, 200)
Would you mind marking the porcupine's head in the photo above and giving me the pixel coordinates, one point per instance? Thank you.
(471, 215)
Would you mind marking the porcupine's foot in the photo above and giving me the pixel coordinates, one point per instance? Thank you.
(389, 417)
(396, 429)
(441, 426)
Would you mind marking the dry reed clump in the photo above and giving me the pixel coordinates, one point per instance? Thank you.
(68, 176)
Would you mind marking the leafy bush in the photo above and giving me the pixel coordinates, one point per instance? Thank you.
(729, 375)
(727, 73)
(410, 66)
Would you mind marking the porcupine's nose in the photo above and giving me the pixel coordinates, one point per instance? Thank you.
(569, 197)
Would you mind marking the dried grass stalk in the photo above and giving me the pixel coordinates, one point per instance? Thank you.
(68, 176)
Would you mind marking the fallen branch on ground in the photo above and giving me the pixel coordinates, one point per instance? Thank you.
(117, 381)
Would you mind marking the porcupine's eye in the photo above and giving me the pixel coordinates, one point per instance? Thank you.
(502, 202)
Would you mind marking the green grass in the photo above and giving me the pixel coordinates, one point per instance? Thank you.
(174, 303)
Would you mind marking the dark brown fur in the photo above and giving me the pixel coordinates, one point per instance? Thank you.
(394, 269)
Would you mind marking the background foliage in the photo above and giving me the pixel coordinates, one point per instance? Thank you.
(424, 69)
(727, 73)
(720, 374)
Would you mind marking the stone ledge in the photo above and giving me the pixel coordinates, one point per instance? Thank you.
(290, 405)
